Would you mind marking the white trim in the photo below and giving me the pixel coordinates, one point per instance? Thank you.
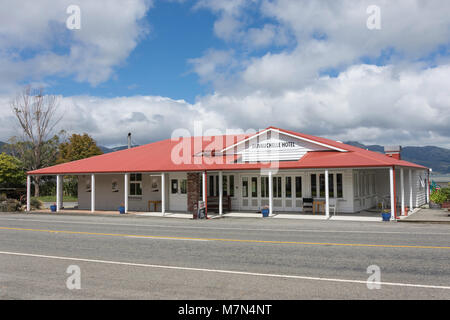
(410, 191)
(220, 192)
(28, 193)
(284, 133)
(92, 192)
(270, 193)
(126, 191)
(402, 191)
(391, 185)
(204, 191)
(58, 193)
(163, 193)
(327, 195)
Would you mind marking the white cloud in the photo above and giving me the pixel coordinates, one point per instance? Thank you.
(404, 102)
(35, 43)
(332, 35)
(365, 103)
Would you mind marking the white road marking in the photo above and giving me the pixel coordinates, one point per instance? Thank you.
(162, 238)
(222, 228)
(270, 275)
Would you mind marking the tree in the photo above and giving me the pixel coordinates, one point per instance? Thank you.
(36, 114)
(78, 147)
(12, 173)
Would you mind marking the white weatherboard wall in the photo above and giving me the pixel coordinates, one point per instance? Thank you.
(106, 199)
(419, 191)
(273, 147)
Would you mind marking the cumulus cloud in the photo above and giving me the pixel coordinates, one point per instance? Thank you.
(35, 43)
(366, 103)
(329, 75)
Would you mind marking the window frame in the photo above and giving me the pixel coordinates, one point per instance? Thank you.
(135, 182)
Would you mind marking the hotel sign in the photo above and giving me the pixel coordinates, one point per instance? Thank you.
(273, 145)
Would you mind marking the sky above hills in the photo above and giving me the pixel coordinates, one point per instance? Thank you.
(151, 67)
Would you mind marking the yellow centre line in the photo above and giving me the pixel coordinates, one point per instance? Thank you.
(227, 240)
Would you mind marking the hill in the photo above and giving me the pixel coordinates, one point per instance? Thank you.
(432, 157)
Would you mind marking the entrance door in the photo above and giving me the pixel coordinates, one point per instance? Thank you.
(178, 192)
(250, 193)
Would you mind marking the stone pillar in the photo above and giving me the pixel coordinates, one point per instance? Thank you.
(193, 190)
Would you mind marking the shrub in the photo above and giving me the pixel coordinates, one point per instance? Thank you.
(36, 203)
(446, 191)
(438, 196)
(10, 205)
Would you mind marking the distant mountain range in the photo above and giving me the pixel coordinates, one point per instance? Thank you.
(108, 150)
(432, 157)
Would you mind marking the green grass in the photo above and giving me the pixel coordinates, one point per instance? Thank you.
(53, 198)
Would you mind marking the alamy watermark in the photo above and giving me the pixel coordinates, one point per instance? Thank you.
(74, 280)
(374, 19)
(217, 147)
(374, 280)
(73, 22)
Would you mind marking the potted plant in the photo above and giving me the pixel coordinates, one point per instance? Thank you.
(53, 207)
(122, 209)
(265, 211)
(437, 198)
(386, 214)
(446, 203)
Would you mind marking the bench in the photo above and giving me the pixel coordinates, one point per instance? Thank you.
(213, 203)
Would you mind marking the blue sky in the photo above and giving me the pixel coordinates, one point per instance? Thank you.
(155, 66)
(158, 65)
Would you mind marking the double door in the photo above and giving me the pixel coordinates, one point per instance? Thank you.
(286, 192)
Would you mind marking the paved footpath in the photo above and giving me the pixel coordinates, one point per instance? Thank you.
(135, 257)
(429, 216)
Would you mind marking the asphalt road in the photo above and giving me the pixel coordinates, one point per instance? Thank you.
(161, 258)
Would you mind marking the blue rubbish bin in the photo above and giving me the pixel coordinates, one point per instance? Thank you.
(53, 207)
(265, 213)
(121, 209)
(386, 216)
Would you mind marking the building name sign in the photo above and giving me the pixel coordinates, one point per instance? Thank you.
(274, 145)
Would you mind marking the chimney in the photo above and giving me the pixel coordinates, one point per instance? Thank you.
(393, 151)
(129, 140)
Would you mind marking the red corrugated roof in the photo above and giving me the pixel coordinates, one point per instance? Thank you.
(157, 157)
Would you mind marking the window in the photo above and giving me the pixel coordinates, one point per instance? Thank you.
(373, 184)
(355, 185)
(225, 186)
(361, 185)
(136, 184)
(322, 185)
(216, 193)
(183, 186)
(264, 187)
(254, 187)
(331, 185)
(298, 187)
(231, 186)
(288, 187)
(313, 185)
(276, 187)
(245, 187)
(114, 185)
(201, 186)
(211, 186)
(174, 186)
(339, 185)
